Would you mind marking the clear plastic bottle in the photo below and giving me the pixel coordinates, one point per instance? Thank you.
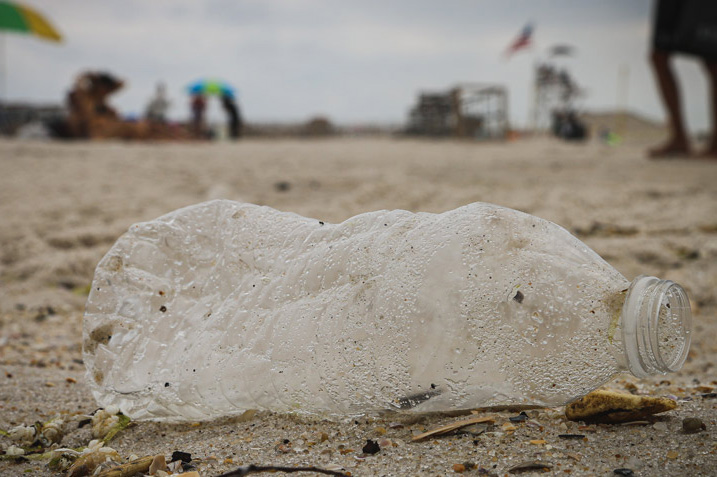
(224, 306)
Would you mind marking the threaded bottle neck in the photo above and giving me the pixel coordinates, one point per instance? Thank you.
(656, 326)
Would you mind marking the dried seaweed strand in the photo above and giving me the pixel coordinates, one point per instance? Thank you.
(122, 423)
(255, 469)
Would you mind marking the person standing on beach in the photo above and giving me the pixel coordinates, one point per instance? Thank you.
(198, 105)
(685, 27)
(232, 110)
(158, 106)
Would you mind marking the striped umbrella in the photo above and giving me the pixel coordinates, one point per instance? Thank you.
(20, 18)
(15, 17)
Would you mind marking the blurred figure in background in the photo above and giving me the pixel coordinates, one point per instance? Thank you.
(232, 110)
(90, 115)
(158, 106)
(689, 27)
(198, 105)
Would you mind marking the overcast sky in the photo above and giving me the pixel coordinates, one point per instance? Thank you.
(356, 61)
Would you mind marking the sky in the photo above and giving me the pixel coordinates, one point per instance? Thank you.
(353, 61)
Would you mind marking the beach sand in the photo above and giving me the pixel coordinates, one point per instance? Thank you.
(62, 205)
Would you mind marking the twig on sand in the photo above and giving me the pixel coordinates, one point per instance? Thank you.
(453, 426)
(255, 469)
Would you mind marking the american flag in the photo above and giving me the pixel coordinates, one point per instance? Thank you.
(523, 40)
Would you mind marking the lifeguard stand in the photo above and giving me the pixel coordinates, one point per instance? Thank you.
(555, 94)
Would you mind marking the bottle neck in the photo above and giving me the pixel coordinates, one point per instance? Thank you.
(656, 324)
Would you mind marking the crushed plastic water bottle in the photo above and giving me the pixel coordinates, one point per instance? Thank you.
(222, 307)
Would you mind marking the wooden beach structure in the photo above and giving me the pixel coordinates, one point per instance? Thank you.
(468, 110)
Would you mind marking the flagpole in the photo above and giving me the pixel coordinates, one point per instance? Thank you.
(534, 91)
(3, 78)
(623, 76)
(524, 40)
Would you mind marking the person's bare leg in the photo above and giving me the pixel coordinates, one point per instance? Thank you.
(677, 144)
(711, 151)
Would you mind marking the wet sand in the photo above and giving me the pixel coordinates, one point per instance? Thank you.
(62, 205)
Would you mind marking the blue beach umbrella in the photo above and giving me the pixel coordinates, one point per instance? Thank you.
(210, 87)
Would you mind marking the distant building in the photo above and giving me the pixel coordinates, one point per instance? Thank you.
(468, 110)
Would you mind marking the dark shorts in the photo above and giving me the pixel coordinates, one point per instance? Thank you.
(686, 26)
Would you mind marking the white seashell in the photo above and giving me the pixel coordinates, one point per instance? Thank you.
(14, 450)
(24, 434)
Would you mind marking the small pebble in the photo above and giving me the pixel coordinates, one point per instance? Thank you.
(385, 443)
(283, 448)
(692, 425)
(459, 468)
(282, 186)
(634, 462)
(185, 457)
(475, 429)
(371, 447)
(660, 426)
(522, 417)
(533, 424)
(623, 472)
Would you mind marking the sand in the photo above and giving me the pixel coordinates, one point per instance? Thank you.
(62, 205)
